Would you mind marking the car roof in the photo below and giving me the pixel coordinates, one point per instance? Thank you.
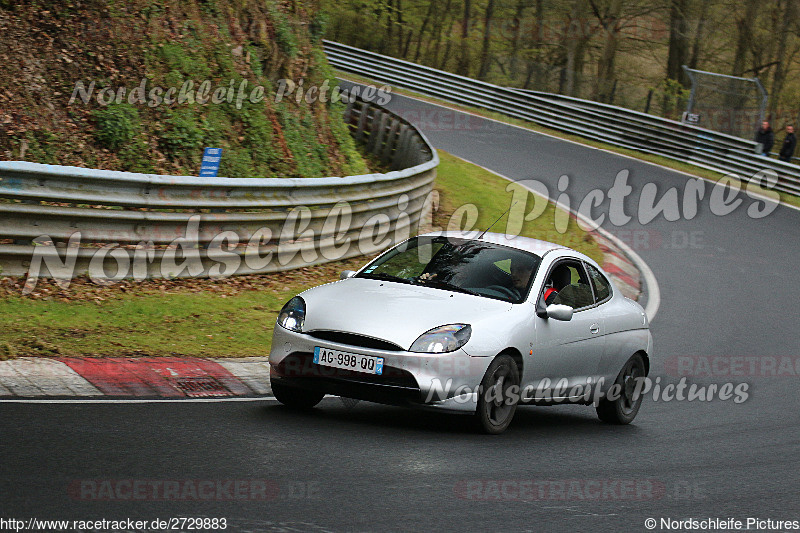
(527, 244)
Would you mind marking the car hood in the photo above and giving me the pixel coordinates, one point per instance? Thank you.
(391, 311)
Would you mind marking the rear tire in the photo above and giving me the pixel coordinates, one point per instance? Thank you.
(496, 407)
(623, 409)
(295, 397)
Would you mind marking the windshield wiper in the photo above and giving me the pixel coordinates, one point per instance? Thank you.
(385, 277)
(449, 286)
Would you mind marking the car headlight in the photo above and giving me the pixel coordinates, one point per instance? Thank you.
(443, 339)
(293, 314)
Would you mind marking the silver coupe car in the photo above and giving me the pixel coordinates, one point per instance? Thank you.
(459, 322)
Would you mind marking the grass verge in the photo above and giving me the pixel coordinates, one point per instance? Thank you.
(231, 317)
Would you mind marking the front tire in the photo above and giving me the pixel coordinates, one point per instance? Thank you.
(295, 397)
(497, 400)
(623, 408)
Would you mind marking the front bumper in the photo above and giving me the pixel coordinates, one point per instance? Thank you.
(441, 381)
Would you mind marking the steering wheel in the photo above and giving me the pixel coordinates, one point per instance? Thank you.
(505, 291)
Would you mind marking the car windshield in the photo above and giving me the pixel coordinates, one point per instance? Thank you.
(460, 265)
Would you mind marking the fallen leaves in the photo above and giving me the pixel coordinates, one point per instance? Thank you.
(84, 290)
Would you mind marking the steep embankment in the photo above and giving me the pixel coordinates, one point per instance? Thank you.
(144, 86)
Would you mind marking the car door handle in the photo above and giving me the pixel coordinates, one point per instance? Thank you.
(594, 328)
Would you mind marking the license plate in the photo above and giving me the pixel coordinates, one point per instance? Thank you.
(349, 361)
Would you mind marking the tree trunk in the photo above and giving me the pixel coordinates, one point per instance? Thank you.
(463, 59)
(678, 53)
(378, 17)
(539, 71)
(387, 43)
(409, 37)
(443, 63)
(779, 75)
(439, 22)
(515, 38)
(532, 67)
(487, 36)
(699, 34)
(744, 36)
(399, 19)
(606, 62)
(575, 45)
(422, 29)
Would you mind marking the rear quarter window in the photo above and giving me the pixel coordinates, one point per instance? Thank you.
(601, 285)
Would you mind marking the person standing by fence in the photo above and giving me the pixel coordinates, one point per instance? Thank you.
(789, 143)
(766, 138)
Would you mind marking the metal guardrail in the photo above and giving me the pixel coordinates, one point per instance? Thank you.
(592, 120)
(135, 219)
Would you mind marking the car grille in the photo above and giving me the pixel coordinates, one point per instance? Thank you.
(354, 339)
(301, 365)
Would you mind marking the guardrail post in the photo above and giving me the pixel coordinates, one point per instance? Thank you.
(362, 122)
(377, 146)
(348, 112)
(418, 151)
(374, 131)
(391, 139)
(402, 146)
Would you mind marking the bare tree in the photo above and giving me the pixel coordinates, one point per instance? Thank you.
(399, 21)
(464, 58)
(488, 16)
(678, 53)
(441, 18)
(744, 35)
(699, 33)
(516, 38)
(575, 38)
(611, 24)
(432, 4)
(779, 76)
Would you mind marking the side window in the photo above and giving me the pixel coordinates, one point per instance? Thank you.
(568, 285)
(602, 288)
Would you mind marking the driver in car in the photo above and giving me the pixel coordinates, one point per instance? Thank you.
(520, 276)
(575, 295)
(559, 278)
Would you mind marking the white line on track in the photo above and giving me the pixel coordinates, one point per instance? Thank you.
(136, 400)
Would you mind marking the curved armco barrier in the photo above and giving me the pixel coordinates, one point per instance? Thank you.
(602, 122)
(120, 224)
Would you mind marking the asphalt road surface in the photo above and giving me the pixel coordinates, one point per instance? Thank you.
(729, 300)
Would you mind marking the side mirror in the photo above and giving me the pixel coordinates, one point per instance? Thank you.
(559, 312)
(347, 274)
